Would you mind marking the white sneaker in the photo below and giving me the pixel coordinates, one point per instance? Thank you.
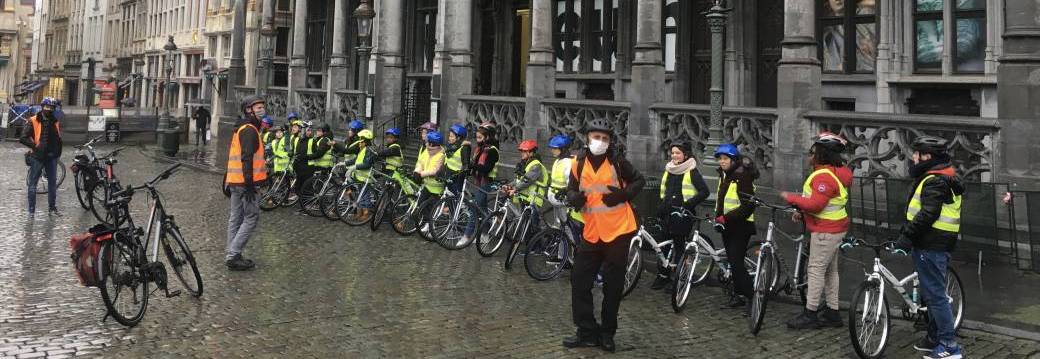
(462, 241)
(425, 229)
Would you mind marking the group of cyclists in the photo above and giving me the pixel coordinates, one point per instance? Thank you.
(595, 185)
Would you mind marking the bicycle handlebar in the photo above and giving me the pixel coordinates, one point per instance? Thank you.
(89, 143)
(888, 246)
(760, 202)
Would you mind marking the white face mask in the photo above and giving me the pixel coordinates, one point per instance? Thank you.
(598, 147)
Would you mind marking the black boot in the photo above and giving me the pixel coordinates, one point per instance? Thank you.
(578, 341)
(237, 263)
(607, 343)
(806, 320)
(830, 318)
(736, 301)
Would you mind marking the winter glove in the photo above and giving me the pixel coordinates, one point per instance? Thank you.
(903, 244)
(416, 177)
(576, 199)
(720, 224)
(615, 197)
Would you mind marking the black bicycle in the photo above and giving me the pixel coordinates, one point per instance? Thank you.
(125, 266)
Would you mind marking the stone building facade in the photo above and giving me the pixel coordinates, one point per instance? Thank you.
(16, 19)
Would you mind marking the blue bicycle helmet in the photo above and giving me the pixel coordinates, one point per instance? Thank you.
(357, 125)
(459, 130)
(728, 149)
(393, 131)
(435, 138)
(292, 115)
(49, 101)
(266, 121)
(560, 141)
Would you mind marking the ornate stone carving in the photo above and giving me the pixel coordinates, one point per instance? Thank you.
(750, 128)
(311, 104)
(349, 105)
(506, 112)
(570, 116)
(880, 143)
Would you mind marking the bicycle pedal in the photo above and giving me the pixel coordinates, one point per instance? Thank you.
(173, 293)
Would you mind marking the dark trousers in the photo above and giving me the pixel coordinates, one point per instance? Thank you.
(736, 242)
(587, 262)
(200, 135)
(37, 168)
(677, 231)
(303, 173)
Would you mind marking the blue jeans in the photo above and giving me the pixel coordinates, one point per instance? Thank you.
(480, 199)
(931, 272)
(37, 168)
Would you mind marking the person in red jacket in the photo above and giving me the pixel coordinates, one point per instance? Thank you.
(822, 204)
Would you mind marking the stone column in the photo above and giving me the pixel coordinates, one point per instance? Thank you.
(298, 63)
(266, 46)
(389, 60)
(339, 66)
(798, 91)
(237, 65)
(647, 86)
(1018, 104)
(541, 69)
(457, 65)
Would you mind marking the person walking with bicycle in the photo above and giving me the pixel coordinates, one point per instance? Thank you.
(735, 216)
(43, 137)
(933, 215)
(603, 184)
(681, 186)
(246, 169)
(822, 205)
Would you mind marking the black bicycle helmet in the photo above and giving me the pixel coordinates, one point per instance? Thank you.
(324, 127)
(599, 125)
(929, 144)
(249, 101)
(830, 141)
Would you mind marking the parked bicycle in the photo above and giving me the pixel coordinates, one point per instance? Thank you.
(769, 267)
(699, 257)
(279, 192)
(634, 263)
(552, 248)
(95, 180)
(453, 212)
(310, 196)
(125, 267)
(85, 170)
(397, 186)
(869, 310)
(501, 221)
(348, 204)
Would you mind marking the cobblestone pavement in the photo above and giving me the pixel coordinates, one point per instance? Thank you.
(323, 289)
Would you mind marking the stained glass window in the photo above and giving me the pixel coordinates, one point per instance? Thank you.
(843, 24)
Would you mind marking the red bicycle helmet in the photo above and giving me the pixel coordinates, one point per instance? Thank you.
(527, 145)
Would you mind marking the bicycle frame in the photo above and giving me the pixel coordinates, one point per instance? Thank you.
(642, 235)
(881, 274)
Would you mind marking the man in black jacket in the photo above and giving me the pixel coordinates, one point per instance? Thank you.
(244, 209)
(610, 224)
(43, 137)
(934, 213)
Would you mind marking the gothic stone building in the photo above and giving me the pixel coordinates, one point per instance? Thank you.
(878, 71)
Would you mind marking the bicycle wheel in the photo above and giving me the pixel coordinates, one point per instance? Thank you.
(519, 237)
(350, 208)
(424, 229)
(491, 233)
(273, 196)
(59, 177)
(99, 196)
(81, 181)
(751, 263)
(401, 219)
(868, 321)
(702, 263)
(633, 267)
(330, 200)
(955, 293)
(381, 208)
(693, 267)
(453, 237)
(546, 254)
(760, 296)
(123, 289)
(181, 259)
(290, 199)
(439, 217)
(310, 199)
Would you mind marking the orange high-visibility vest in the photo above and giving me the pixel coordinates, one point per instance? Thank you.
(602, 223)
(234, 164)
(38, 128)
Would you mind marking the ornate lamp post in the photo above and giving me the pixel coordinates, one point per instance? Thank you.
(167, 129)
(364, 15)
(717, 23)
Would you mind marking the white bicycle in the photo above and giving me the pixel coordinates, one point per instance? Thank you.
(868, 313)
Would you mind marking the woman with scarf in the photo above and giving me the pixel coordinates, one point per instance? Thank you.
(682, 186)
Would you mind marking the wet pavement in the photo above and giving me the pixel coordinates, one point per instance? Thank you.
(323, 289)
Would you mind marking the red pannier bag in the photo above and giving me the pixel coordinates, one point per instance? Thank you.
(85, 248)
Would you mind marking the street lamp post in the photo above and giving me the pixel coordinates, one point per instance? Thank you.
(717, 23)
(364, 15)
(168, 136)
